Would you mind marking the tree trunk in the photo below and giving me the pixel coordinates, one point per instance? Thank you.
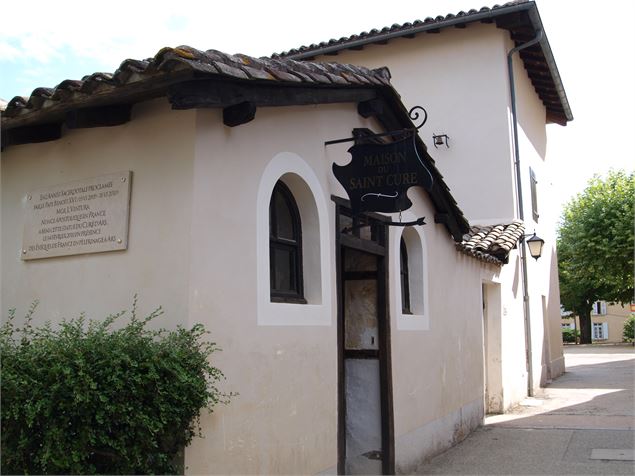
(586, 327)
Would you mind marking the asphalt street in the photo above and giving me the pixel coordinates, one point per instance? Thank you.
(582, 423)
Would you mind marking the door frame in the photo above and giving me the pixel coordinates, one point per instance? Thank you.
(383, 322)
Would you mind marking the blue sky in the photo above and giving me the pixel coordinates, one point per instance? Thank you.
(42, 44)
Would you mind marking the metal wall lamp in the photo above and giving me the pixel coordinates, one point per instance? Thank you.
(440, 139)
(534, 244)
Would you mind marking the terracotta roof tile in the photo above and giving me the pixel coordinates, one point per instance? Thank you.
(519, 17)
(492, 243)
(164, 68)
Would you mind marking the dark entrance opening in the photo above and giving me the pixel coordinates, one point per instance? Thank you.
(365, 417)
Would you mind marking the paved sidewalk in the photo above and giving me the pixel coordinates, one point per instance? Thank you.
(582, 423)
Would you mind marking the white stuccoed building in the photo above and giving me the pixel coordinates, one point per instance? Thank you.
(355, 346)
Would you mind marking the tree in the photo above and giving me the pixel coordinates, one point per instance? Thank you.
(595, 247)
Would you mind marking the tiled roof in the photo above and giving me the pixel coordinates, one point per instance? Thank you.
(40, 116)
(145, 78)
(492, 243)
(520, 18)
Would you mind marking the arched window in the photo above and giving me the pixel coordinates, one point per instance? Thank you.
(285, 247)
(409, 273)
(405, 280)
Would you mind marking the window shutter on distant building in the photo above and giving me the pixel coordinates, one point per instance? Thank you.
(599, 308)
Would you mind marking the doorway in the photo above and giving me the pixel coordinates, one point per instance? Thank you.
(492, 348)
(365, 425)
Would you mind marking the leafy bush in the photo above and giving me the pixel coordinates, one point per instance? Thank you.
(83, 398)
(570, 335)
(628, 334)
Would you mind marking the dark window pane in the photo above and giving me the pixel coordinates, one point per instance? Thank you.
(285, 245)
(284, 269)
(284, 218)
(405, 279)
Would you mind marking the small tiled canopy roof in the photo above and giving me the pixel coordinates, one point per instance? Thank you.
(492, 243)
(520, 18)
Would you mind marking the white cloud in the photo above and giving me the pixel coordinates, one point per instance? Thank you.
(8, 52)
(122, 29)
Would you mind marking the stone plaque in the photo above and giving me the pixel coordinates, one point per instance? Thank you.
(87, 216)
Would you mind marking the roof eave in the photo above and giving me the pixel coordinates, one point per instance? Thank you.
(529, 7)
(380, 37)
(551, 61)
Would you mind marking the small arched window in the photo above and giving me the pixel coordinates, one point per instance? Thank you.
(285, 247)
(405, 279)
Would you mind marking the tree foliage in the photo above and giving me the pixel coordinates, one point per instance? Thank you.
(628, 333)
(570, 335)
(595, 246)
(83, 398)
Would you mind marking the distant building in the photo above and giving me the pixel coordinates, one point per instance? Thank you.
(607, 319)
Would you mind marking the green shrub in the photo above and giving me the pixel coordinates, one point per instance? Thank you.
(628, 334)
(84, 398)
(570, 335)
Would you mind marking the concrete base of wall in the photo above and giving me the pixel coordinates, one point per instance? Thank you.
(557, 367)
(431, 439)
(332, 471)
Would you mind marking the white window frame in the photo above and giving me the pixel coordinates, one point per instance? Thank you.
(290, 168)
(419, 320)
(600, 331)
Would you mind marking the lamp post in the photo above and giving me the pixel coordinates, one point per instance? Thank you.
(535, 244)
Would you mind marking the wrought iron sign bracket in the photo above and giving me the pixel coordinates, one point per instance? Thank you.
(418, 221)
(414, 116)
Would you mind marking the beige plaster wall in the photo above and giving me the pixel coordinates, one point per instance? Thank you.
(438, 371)
(457, 75)
(513, 366)
(544, 291)
(285, 419)
(194, 248)
(156, 263)
(460, 77)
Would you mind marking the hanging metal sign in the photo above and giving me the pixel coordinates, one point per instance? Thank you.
(379, 175)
